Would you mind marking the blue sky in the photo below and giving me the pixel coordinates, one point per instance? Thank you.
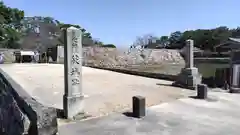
(120, 21)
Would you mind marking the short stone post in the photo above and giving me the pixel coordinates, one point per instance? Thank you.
(138, 106)
(73, 96)
(202, 90)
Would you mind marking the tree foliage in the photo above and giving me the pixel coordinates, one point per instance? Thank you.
(204, 39)
(85, 33)
(10, 26)
(164, 40)
(109, 45)
(17, 31)
(143, 40)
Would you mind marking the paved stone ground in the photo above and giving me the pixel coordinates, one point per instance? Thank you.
(187, 116)
(105, 91)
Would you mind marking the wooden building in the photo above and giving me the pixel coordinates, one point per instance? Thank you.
(231, 44)
(219, 74)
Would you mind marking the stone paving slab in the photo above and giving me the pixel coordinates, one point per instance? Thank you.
(105, 91)
(185, 116)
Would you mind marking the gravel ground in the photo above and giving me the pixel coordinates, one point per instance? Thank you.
(106, 92)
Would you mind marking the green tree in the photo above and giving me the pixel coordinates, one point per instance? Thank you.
(10, 26)
(204, 39)
(85, 33)
(164, 40)
(221, 34)
(174, 40)
(236, 32)
(48, 19)
(64, 26)
(12, 38)
(98, 42)
(109, 45)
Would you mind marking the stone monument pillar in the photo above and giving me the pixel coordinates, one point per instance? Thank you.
(189, 54)
(73, 96)
(235, 72)
(189, 76)
(60, 54)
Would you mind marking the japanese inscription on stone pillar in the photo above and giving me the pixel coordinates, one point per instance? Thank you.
(74, 61)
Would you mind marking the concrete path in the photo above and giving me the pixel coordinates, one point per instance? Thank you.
(105, 91)
(186, 116)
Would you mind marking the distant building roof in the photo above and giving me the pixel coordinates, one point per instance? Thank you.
(229, 43)
(235, 39)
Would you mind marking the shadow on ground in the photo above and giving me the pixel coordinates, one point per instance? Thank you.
(209, 98)
(171, 85)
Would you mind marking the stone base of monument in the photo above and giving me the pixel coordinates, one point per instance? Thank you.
(188, 78)
(234, 90)
(73, 106)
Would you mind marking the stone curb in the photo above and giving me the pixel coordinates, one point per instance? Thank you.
(43, 120)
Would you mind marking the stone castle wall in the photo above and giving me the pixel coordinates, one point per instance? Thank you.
(114, 58)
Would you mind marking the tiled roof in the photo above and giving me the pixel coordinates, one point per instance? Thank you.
(225, 43)
(235, 39)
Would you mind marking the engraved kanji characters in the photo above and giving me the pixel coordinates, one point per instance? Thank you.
(75, 71)
(75, 81)
(75, 59)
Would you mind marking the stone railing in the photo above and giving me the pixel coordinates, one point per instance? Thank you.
(21, 114)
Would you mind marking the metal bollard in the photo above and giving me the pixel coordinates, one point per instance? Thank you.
(138, 104)
(202, 90)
